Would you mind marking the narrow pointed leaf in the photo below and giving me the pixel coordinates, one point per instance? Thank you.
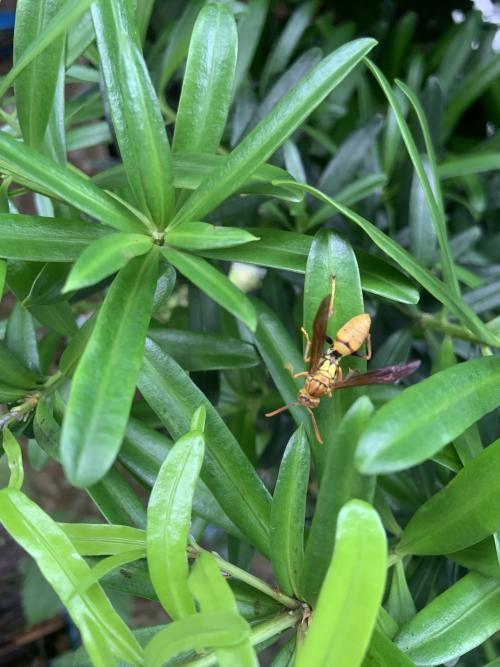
(444, 523)
(214, 594)
(214, 283)
(14, 459)
(35, 86)
(63, 568)
(13, 373)
(37, 172)
(208, 82)
(37, 239)
(351, 594)
(427, 416)
(287, 250)
(434, 286)
(69, 12)
(135, 109)
(226, 471)
(200, 236)
(288, 513)
(197, 631)
(169, 516)
(382, 652)
(105, 256)
(273, 130)
(103, 539)
(454, 623)
(339, 484)
(103, 386)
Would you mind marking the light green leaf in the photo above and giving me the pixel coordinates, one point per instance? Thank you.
(427, 416)
(103, 539)
(454, 622)
(200, 236)
(351, 594)
(103, 386)
(63, 568)
(14, 459)
(169, 516)
(105, 256)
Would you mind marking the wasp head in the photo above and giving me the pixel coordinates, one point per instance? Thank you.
(305, 399)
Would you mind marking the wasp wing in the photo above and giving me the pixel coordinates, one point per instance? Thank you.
(384, 375)
(319, 333)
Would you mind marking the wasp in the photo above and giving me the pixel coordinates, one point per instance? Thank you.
(324, 374)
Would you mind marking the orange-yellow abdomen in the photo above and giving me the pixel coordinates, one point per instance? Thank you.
(352, 335)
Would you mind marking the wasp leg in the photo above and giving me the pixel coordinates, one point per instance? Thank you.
(332, 295)
(307, 357)
(315, 425)
(289, 367)
(368, 354)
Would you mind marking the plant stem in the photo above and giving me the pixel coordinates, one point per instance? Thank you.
(250, 579)
(426, 321)
(260, 633)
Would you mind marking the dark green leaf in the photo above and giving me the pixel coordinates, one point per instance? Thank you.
(103, 386)
(288, 513)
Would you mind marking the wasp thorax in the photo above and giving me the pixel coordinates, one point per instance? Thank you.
(305, 398)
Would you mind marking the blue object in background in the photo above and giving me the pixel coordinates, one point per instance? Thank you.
(7, 20)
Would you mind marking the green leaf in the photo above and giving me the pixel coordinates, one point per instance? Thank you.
(204, 352)
(273, 130)
(13, 373)
(117, 501)
(383, 653)
(481, 557)
(330, 255)
(214, 283)
(339, 483)
(200, 236)
(102, 539)
(288, 513)
(454, 623)
(250, 28)
(106, 565)
(29, 167)
(103, 386)
(427, 416)
(53, 29)
(226, 470)
(444, 523)
(287, 250)
(63, 568)
(208, 82)
(20, 337)
(214, 594)
(169, 516)
(466, 165)
(434, 201)
(416, 270)
(105, 256)
(422, 231)
(143, 452)
(38, 239)
(287, 41)
(135, 109)
(35, 87)
(74, 350)
(14, 459)
(351, 594)
(209, 630)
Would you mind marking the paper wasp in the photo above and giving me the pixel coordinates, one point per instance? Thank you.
(324, 374)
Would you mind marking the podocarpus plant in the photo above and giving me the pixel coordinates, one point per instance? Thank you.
(110, 367)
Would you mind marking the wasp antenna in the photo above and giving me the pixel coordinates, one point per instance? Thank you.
(316, 429)
(276, 412)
